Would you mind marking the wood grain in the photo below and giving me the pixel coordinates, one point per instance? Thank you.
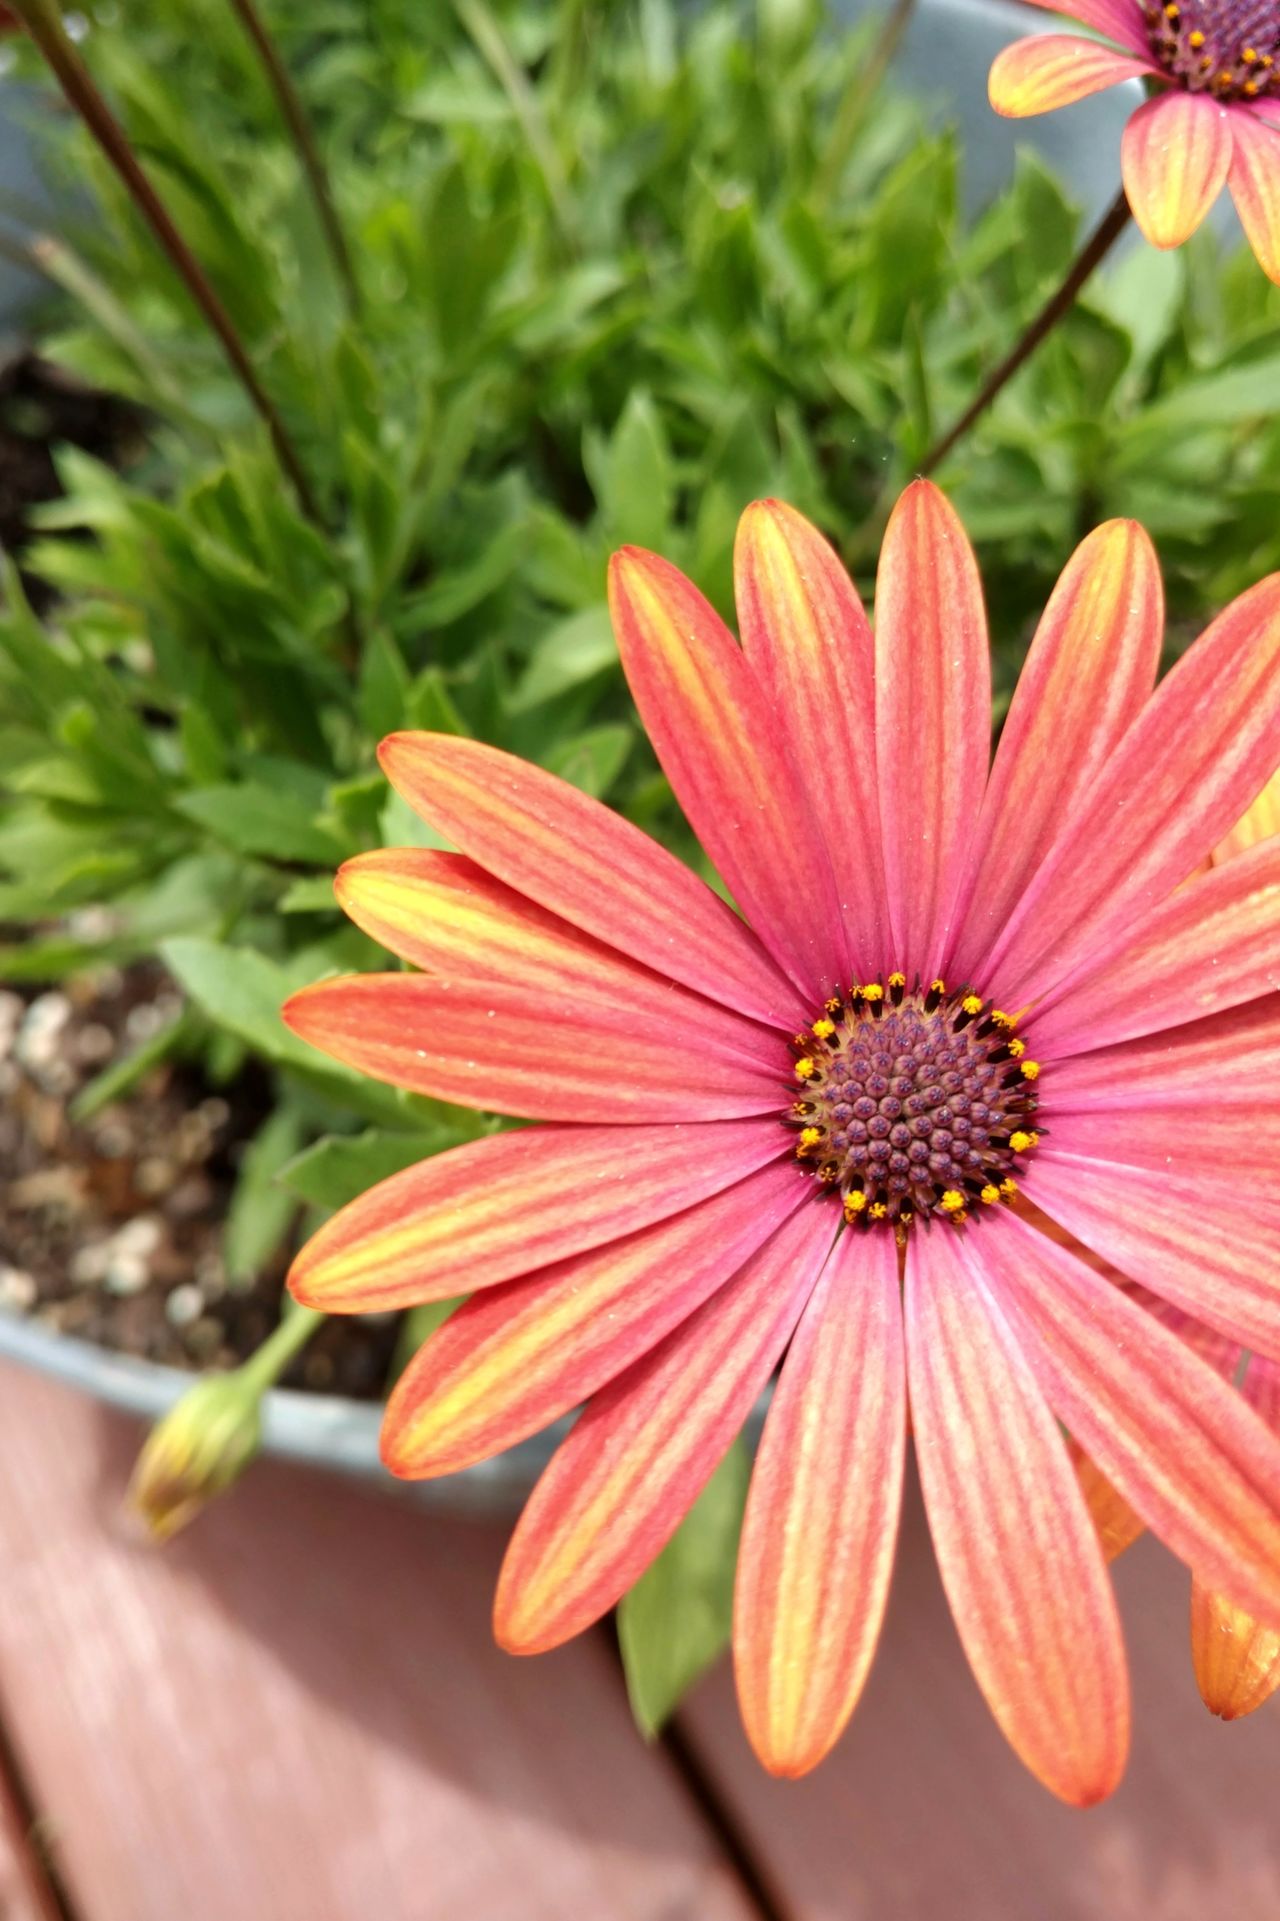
(922, 1814)
(295, 1713)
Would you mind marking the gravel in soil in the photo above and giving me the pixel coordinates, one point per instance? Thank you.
(111, 1229)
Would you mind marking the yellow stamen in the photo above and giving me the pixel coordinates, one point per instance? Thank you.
(1002, 1019)
(879, 1212)
(1009, 1188)
(805, 1068)
(897, 980)
(1196, 40)
(952, 1201)
(1030, 1070)
(823, 1030)
(1017, 1048)
(1249, 55)
(989, 1195)
(873, 991)
(1020, 1142)
(972, 1003)
(938, 987)
(809, 1138)
(834, 1005)
(854, 1204)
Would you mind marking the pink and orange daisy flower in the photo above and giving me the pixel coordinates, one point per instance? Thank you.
(1214, 121)
(961, 1002)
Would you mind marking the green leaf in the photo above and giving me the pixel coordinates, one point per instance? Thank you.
(632, 475)
(573, 651)
(593, 760)
(261, 1209)
(676, 1619)
(337, 1167)
(267, 821)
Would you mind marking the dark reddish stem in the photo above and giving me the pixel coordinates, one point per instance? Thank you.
(43, 22)
(294, 115)
(1095, 249)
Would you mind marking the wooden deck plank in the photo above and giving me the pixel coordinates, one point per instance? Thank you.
(295, 1713)
(922, 1812)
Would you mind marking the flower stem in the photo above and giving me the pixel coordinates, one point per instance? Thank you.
(858, 97)
(295, 117)
(43, 21)
(268, 1362)
(1095, 249)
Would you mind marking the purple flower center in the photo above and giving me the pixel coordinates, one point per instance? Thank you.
(1229, 48)
(914, 1104)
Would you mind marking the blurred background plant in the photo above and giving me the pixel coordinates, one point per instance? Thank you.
(613, 272)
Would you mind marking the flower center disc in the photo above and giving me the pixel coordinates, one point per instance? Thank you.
(912, 1104)
(1230, 48)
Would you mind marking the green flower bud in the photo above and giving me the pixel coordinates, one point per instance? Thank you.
(198, 1449)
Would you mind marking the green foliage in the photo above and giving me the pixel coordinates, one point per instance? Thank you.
(676, 1620)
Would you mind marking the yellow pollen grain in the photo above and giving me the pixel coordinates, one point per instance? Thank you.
(1020, 1142)
(1250, 87)
(823, 1030)
(972, 1003)
(952, 1201)
(873, 991)
(1017, 1048)
(1030, 1070)
(1009, 1188)
(989, 1195)
(809, 1137)
(1196, 41)
(854, 1203)
(897, 980)
(805, 1068)
(1249, 55)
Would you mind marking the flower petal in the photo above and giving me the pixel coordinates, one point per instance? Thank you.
(448, 916)
(727, 758)
(1177, 1441)
(1237, 1658)
(1255, 188)
(1210, 946)
(1225, 1060)
(1211, 1262)
(528, 1051)
(933, 720)
(1174, 155)
(822, 1512)
(631, 1469)
(1091, 669)
(516, 1358)
(584, 862)
(1201, 750)
(1121, 20)
(809, 643)
(1018, 1552)
(1050, 70)
(494, 1209)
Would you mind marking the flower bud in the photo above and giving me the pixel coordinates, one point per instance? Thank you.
(198, 1449)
